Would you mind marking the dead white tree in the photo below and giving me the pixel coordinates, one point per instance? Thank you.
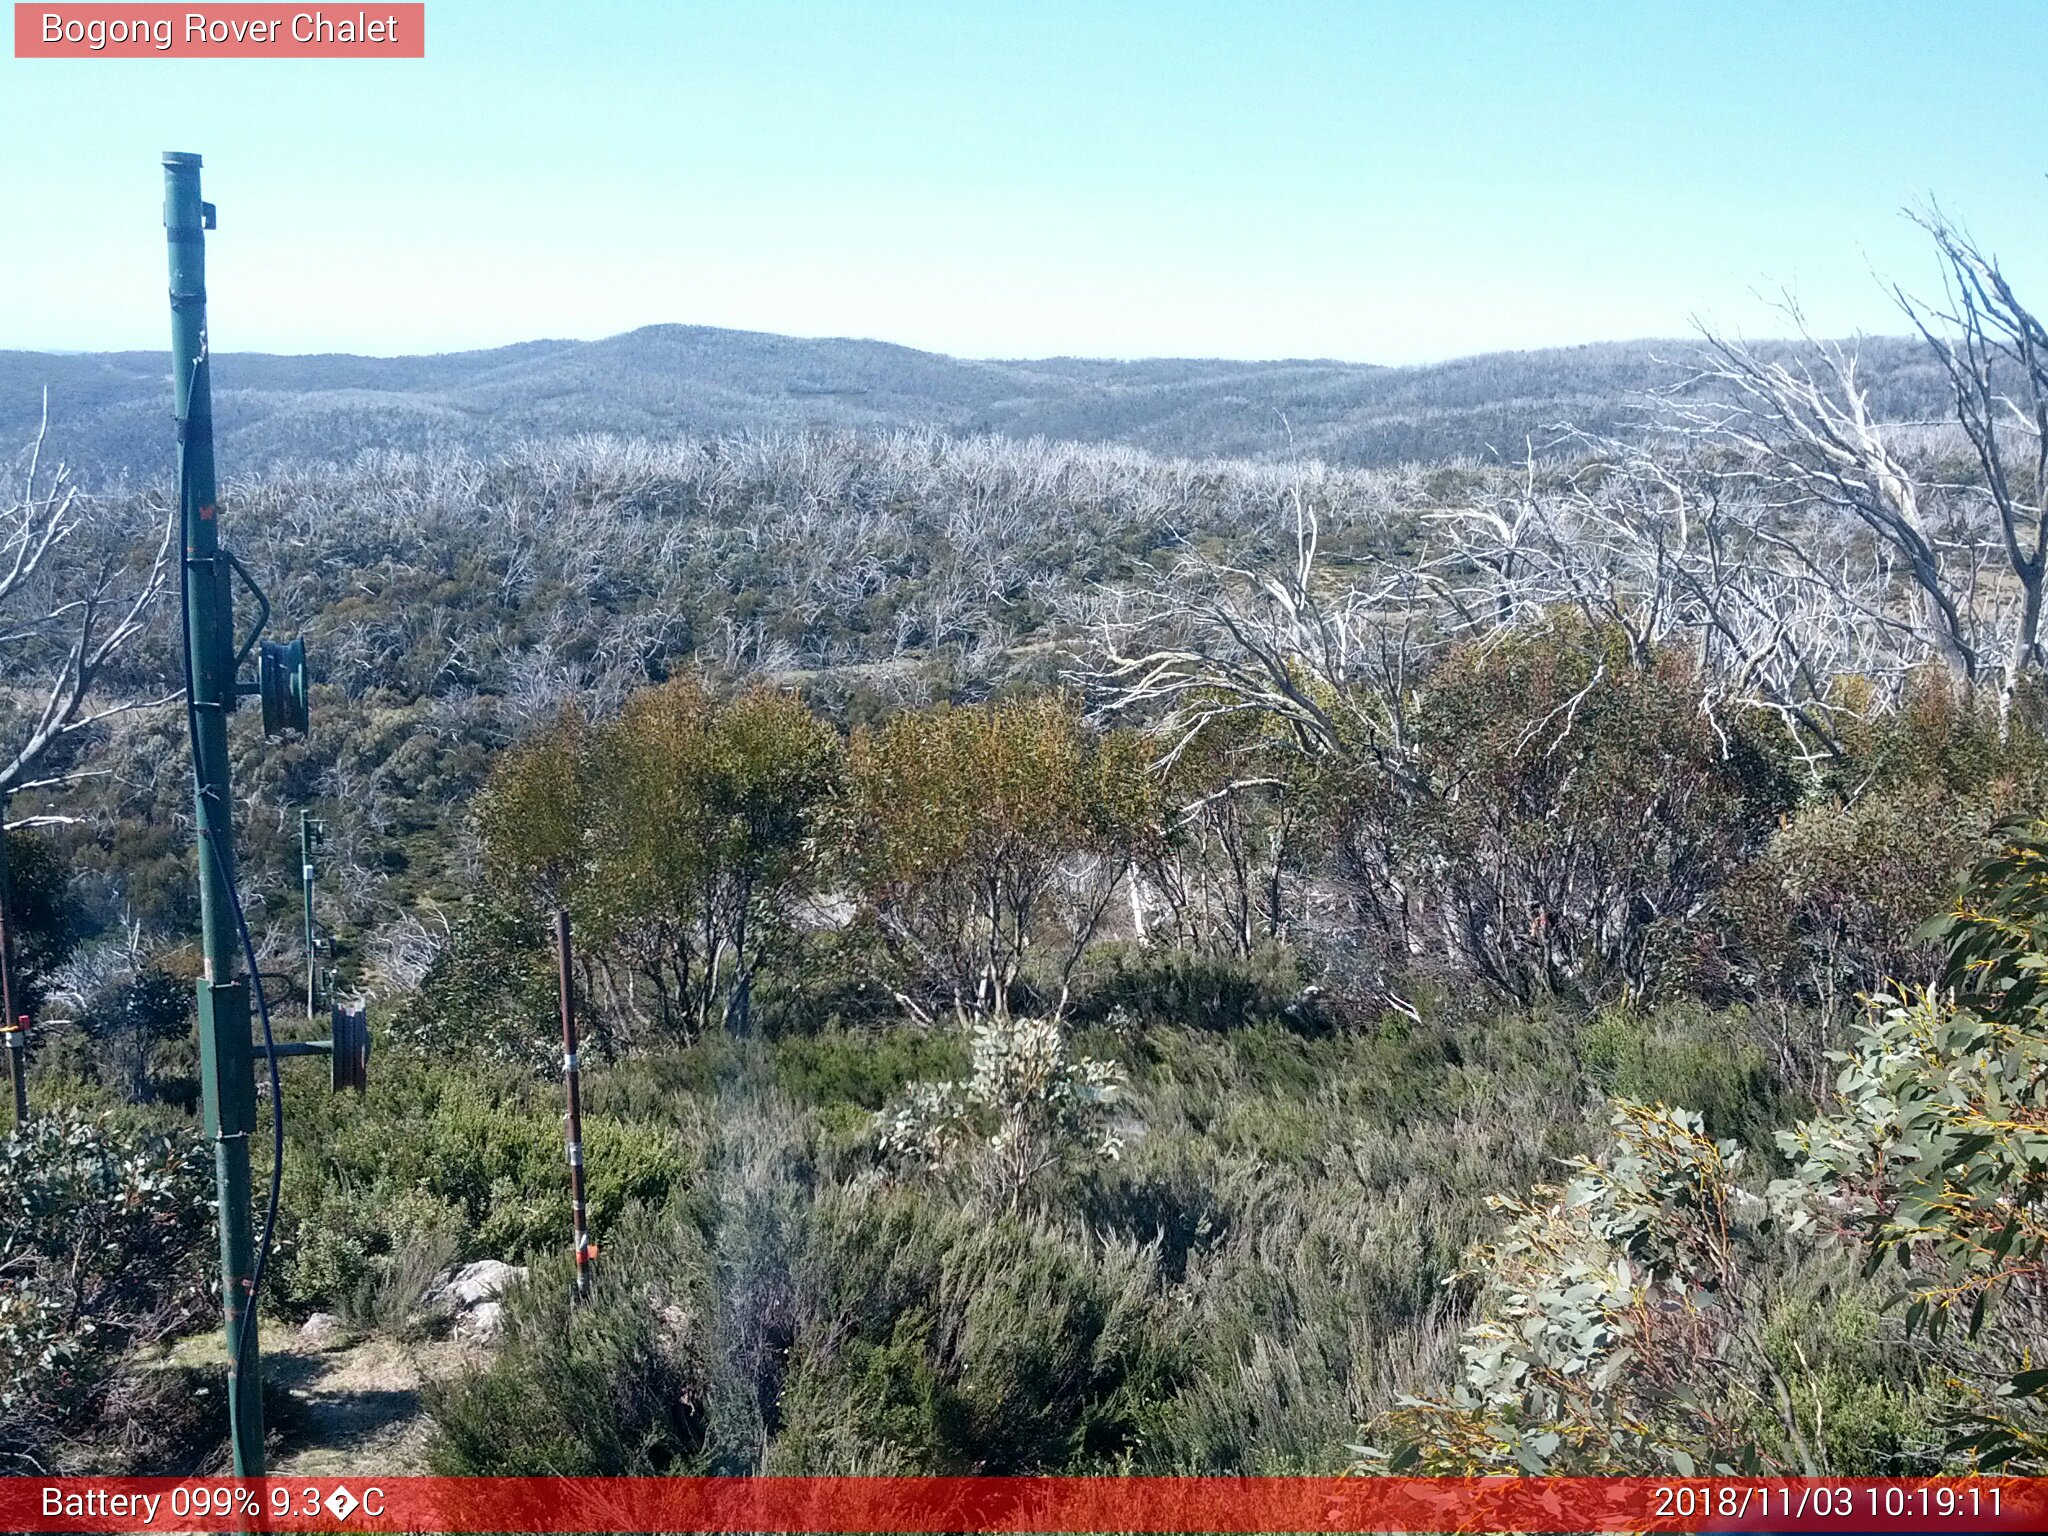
(1647, 541)
(1802, 432)
(1966, 542)
(1329, 662)
(77, 584)
(1995, 353)
(1288, 670)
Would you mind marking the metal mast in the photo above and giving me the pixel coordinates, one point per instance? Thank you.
(226, 1056)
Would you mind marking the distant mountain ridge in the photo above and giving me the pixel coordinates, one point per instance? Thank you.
(110, 410)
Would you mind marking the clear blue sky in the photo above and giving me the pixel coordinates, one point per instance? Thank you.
(1376, 181)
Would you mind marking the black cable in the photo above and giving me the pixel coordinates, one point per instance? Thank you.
(276, 1117)
(256, 1275)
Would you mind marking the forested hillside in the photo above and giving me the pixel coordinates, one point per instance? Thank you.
(1094, 960)
(109, 413)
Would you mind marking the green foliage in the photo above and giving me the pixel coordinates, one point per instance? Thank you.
(944, 1341)
(1250, 820)
(1194, 989)
(103, 1227)
(489, 993)
(1569, 813)
(1849, 1395)
(1836, 904)
(1027, 1107)
(899, 1336)
(867, 1069)
(604, 1388)
(702, 834)
(1681, 1053)
(1608, 1314)
(1261, 1266)
(454, 1155)
(1997, 931)
(391, 1294)
(679, 834)
(1938, 1154)
(45, 923)
(1260, 1262)
(973, 835)
(135, 1014)
(533, 817)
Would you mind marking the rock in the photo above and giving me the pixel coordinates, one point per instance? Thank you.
(474, 1284)
(482, 1323)
(323, 1330)
(677, 1323)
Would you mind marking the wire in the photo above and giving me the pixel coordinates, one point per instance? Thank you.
(276, 1118)
(246, 1339)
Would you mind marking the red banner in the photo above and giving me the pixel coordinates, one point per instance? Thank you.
(1025, 1504)
(376, 31)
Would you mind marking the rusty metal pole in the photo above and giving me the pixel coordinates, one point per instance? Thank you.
(17, 1066)
(572, 1073)
(13, 1025)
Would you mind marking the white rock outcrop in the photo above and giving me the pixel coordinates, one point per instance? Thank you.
(470, 1296)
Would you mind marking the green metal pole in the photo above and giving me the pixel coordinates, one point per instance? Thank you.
(226, 1060)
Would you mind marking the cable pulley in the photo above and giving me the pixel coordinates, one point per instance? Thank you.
(349, 1063)
(282, 681)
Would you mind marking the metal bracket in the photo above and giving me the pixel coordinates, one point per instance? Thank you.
(347, 1053)
(262, 607)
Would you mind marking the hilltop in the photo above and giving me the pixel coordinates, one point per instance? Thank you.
(109, 410)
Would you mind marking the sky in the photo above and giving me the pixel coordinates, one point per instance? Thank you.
(1377, 182)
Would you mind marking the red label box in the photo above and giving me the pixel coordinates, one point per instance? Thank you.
(239, 31)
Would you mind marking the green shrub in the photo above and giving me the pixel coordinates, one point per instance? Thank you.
(1834, 908)
(681, 833)
(489, 995)
(104, 1228)
(1570, 808)
(827, 982)
(1197, 990)
(868, 1068)
(1857, 1400)
(391, 1296)
(45, 919)
(1029, 1108)
(977, 839)
(610, 1387)
(1683, 1054)
(324, 1248)
(1936, 1154)
(940, 1340)
(449, 1154)
(1610, 1335)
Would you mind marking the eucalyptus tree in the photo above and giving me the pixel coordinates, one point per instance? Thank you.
(681, 835)
(981, 840)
